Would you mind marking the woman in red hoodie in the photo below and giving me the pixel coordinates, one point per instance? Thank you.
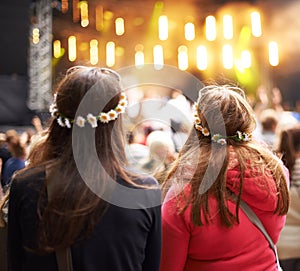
(204, 228)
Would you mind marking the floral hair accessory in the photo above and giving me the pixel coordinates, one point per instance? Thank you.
(218, 138)
(80, 121)
(239, 136)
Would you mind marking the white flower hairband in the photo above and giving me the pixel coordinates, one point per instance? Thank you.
(103, 117)
(218, 138)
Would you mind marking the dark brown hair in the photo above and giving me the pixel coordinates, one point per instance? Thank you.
(74, 209)
(289, 146)
(223, 110)
(268, 119)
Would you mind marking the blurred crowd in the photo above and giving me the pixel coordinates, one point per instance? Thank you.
(154, 141)
(14, 150)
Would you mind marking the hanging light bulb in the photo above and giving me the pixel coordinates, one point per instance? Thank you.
(72, 48)
(256, 24)
(35, 35)
(227, 56)
(211, 29)
(228, 27)
(202, 61)
(94, 52)
(158, 55)
(139, 56)
(139, 59)
(273, 53)
(189, 31)
(110, 54)
(163, 27)
(57, 48)
(84, 13)
(183, 60)
(120, 27)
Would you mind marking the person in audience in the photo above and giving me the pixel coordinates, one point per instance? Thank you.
(4, 155)
(268, 121)
(288, 245)
(270, 112)
(219, 166)
(162, 154)
(77, 192)
(17, 161)
(135, 151)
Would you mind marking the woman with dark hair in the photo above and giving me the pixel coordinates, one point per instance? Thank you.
(77, 192)
(219, 167)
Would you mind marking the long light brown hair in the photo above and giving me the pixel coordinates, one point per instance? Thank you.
(74, 208)
(223, 110)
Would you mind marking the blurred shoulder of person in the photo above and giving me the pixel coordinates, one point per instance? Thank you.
(289, 242)
(17, 159)
(4, 153)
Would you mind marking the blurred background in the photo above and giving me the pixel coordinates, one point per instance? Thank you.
(255, 44)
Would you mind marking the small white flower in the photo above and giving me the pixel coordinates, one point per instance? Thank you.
(239, 135)
(112, 114)
(60, 122)
(195, 107)
(198, 127)
(247, 137)
(67, 123)
(92, 120)
(120, 109)
(197, 120)
(80, 121)
(222, 141)
(216, 137)
(104, 117)
(53, 109)
(205, 131)
(123, 96)
(123, 103)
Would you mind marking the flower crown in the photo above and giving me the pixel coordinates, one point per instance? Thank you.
(218, 138)
(103, 117)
